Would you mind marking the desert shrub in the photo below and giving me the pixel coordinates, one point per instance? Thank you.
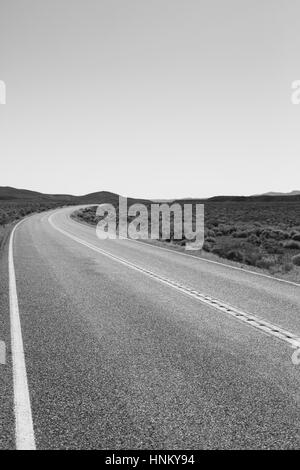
(265, 262)
(241, 234)
(1, 236)
(254, 239)
(229, 251)
(258, 231)
(211, 233)
(207, 246)
(292, 244)
(210, 239)
(287, 267)
(296, 260)
(252, 258)
(277, 234)
(224, 229)
(272, 247)
(235, 255)
(296, 237)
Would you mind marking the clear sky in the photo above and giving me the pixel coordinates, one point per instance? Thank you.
(150, 98)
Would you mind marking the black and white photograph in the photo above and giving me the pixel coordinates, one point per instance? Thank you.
(150, 228)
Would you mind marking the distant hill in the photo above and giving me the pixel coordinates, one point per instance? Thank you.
(105, 197)
(13, 194)
(291, 193)
(8, 193)
(244, 199)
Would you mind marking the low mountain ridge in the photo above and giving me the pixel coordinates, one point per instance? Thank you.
(8, 193)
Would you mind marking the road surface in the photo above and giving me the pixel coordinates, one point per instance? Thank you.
(119, 356)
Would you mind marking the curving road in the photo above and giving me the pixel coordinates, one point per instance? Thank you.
(119, 356)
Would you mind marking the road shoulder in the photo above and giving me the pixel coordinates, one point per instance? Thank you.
(6, 378)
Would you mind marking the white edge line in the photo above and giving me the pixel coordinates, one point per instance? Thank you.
(24, 432)
(244, 270)
(266, 328)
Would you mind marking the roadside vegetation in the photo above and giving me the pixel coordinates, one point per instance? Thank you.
(12, 211)
(15, 204)
(2, 236)
(264, 234)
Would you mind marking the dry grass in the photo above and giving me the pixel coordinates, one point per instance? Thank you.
(265, 234)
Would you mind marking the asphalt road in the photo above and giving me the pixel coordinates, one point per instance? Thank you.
(116, 359)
